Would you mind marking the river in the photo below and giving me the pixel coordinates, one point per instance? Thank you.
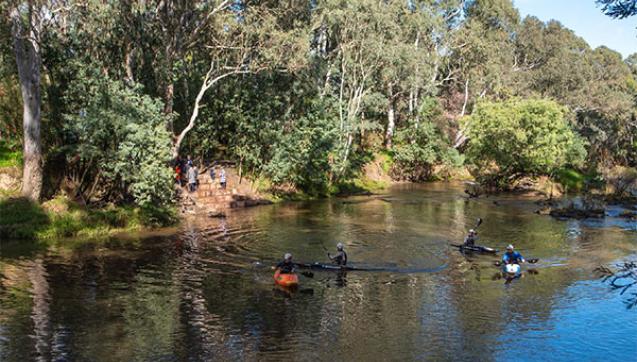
(205, 291)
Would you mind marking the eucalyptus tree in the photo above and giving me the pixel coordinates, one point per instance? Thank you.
(28, 20)
(244, 38)
(351, 44)
(484, 59)
(618, 8)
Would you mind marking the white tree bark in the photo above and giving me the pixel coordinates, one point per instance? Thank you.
(28, 59)
(391, 119)
(208, 82)
(461, 138)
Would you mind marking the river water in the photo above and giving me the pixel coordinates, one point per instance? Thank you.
(205, 291)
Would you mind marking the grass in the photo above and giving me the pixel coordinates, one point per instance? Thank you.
(358, 186)
(9, 158)
(59, 218)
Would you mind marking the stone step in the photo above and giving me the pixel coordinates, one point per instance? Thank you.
(214, 199)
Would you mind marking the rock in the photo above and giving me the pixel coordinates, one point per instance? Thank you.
(216, 213)
(575, 213)
(546, 210)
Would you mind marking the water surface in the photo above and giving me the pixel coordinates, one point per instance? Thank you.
(205, 292)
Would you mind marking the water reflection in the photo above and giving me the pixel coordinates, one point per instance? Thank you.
(207, 292)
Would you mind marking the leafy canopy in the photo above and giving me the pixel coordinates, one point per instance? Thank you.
(121, 137)
(522, 137)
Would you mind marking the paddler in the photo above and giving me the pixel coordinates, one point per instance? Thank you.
(286, 266)
(470, 240)
(340, 258)
(512, 257)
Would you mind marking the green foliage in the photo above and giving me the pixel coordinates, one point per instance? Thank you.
(522, 137)
(121, 137)
(316, 89)
(302, 155)
(421, 145)
(8, 156)
(571, 179)
(358, 186)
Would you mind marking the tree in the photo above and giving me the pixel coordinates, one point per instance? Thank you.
(27, 31)
(619, 9)
(246, 39)
(483, 62)
(121, 147)
(521, 137)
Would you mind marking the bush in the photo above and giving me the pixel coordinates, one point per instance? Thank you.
(121, 139)
(522, 137)
(302, 154)
(570, 179)
(420, 146)
(622, 181)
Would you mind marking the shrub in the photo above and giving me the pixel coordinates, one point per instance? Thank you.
(420, 146)
(120, 140)
(522, 137)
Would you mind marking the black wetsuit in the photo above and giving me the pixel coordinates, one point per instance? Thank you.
(340, 258)
(470, 240)
(286, 267)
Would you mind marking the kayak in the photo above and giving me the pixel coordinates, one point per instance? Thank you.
(511, 269)
(320, 266)
(286, 280)
(475, 248)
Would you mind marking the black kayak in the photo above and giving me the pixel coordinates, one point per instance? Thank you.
(319, 266)
(475, 248)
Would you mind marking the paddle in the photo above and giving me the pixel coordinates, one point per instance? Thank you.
(478, 223)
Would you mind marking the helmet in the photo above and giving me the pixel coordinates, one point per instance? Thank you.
(510, 247)
(287, 256)
(339, 246)
(472, 231)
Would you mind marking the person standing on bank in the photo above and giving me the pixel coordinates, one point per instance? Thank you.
(222, 178)
(192, 179)
(212, 173)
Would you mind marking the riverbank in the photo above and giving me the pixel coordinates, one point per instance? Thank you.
(61, 218)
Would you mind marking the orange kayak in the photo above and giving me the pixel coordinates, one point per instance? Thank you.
(286, 280)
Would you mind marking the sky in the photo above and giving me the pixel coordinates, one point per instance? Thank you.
(587, 20)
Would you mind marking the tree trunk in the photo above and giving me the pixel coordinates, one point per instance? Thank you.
(27, 53)
(207, 83)
(128, 62)
(168, 104)
(391, 120)
(461, 138)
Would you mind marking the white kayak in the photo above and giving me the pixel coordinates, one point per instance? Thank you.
(512, 269)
